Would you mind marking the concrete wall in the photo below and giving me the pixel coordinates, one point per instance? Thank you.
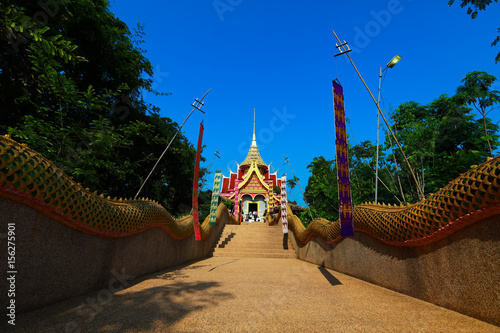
(460, 272)
(55, 262)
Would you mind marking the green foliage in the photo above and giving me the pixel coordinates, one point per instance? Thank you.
(292, 182)
(321, 193)
(476, 5)
(362, 166)
(277, 189)
(204, 204)
(71, 87)
(229, 204)
(476, 91)
(441, 140)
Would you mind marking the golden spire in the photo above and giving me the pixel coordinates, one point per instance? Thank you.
(254, 141)
(253, 153)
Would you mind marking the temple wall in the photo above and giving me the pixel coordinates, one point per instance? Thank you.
(245, 198)
(55, 262)
(262, 204)
(460, 272)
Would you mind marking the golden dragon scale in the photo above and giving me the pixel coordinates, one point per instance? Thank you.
(472, 197)
(29, 178)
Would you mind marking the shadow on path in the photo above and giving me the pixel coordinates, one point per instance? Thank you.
(139, 308)
(332, 279)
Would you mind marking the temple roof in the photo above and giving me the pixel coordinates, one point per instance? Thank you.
(253, 153)
(253, 156)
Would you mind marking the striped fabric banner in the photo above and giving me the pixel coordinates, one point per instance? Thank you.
(345, 200)
(237, 200)
(196, 221)
(215, 197)
(270, 197)
(284, 201)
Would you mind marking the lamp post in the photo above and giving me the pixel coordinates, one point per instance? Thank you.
(391, 64)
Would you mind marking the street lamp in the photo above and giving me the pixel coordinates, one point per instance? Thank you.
(390, 64)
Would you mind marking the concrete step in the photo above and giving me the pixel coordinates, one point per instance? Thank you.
(237, 237)
(256, 229)
(250, 250)
(254, 225)
(243, 232)
(263, 245)
(287, 255)
(249, 238)
(252, 240)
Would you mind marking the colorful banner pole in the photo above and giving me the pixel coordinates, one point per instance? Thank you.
(270, 197)
(215, 197)
(237, 200)
(345, 199)
(284, 201)
(196, 222)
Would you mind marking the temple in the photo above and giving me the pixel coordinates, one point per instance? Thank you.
(251, 187)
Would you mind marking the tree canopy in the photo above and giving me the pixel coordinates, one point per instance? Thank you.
(476, 91)
(321, 190)
(71, 86)
(441, 140)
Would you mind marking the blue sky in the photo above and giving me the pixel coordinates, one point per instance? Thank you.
(278, 57)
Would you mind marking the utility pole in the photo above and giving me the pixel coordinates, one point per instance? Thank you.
(196, 106)
(216, 154)
(287, 161)
(344, 49)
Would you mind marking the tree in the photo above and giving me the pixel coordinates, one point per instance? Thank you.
(442, 140)
(292, 183)
(204, 204)
(71, 85)
(321, 193)
(416, 129)
(476, 90)
(362, 160)
(277, 189)
(473, 11)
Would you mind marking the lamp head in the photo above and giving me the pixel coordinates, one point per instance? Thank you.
(393, 61)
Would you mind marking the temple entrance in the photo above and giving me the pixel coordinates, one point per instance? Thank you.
(253, 206)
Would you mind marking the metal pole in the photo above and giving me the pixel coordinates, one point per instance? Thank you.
(378, 127)
(421, 194)
(195, 107)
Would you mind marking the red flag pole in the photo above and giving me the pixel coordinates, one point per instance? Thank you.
(196, 221)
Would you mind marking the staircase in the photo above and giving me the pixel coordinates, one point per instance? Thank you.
(253, 240)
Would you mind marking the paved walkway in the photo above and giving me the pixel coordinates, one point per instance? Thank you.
(223, 294)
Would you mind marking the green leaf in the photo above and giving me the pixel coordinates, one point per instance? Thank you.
(486, 137)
